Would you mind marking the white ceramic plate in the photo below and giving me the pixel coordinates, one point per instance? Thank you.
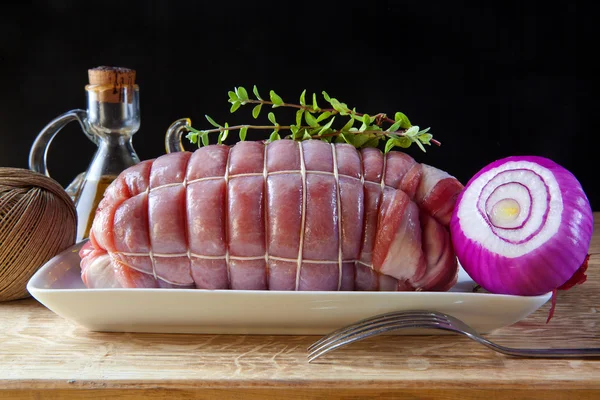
(58, 286)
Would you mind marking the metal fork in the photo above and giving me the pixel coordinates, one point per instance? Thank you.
(428, 320)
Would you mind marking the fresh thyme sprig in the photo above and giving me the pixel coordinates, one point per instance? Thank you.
(314, 122)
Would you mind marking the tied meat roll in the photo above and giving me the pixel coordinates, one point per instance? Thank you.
(286, 215)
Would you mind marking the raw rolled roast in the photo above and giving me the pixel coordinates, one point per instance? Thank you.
(283, 216)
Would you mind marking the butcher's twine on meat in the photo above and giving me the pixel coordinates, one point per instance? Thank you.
(37, 221)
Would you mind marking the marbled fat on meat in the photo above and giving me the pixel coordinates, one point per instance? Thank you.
(283, 216)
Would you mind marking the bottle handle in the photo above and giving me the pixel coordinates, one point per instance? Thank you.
(175, 133)
(39, 149)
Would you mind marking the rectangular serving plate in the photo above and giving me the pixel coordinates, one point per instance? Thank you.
(58, 286)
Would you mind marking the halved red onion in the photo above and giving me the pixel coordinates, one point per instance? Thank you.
(522, 226)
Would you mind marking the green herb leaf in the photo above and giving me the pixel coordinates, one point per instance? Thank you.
(255, 91)
(274, 136)
(242, 93)
(348, 138)
(326, 96)
(225, 132)
(389, 145)
(192, 137)
(323, 116)
(360, 140)
(425, 138)
(204, 137)
(327, 126)
(272, 118)
(310, 120)
(234, 106)
(344, 109)
(243, 132)
(412, 132)
(315, 105)
(394, 127)
(314, 131)
(212, 121)
(348, 125)
(373, 142)
(256, 110)
(356, 117)
(420, 146)
(405, 123)
(403, 142)
(299, 117)
(339, 107)
(277, 101)
(306, 135)
(232, 96)
(303, 98)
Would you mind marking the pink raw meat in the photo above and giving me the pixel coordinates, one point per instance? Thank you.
(283, 216)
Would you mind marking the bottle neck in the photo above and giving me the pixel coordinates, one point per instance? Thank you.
(113, 116)
(113, 111)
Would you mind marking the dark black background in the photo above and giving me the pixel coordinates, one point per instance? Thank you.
(490, 79)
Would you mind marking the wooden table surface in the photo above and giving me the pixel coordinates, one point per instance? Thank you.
(43, 355)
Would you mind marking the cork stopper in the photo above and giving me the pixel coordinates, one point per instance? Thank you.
(112, 84)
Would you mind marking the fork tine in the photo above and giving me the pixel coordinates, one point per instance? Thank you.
(366, 329)
(370, 332)
(370, 320)
(397, 319)
(374, 319)
(358, 328)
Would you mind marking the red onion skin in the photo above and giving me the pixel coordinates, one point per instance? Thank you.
(545, 268)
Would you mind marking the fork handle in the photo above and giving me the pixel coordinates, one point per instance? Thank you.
(544, 353)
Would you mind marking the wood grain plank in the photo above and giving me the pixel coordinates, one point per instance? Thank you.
(41, 353)
(46, 347)
(302, 394)
(595, 245)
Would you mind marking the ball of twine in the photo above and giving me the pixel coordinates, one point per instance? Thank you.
(37, 221)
